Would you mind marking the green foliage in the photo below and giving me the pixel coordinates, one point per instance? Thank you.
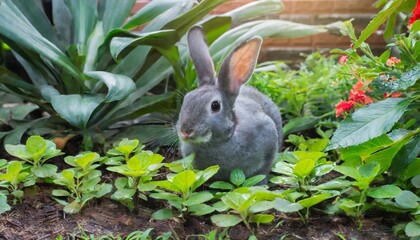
(12, 182)
(181, 193)
(237, 179)
(82, 182)
(138, 171)
(88, 71)
(36, 152)
(305, 96)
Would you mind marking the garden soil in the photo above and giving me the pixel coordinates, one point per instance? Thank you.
(41, 217)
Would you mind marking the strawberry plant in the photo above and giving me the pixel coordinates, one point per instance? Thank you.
(36, 152)
(82, 182)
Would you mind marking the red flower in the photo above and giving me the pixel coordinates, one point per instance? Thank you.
(343, 59)
(394, 95)
(359, 85)
(343, 106)
(359, 96)
(416, 14)
(392, 61)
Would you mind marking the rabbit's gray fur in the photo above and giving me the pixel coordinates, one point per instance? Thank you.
(245, 133)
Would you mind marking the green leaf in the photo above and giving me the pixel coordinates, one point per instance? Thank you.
(123, 194)
(184, 180)
(198, 198)
(412, 229)
(225, 220)
(163, 214)
(253, 180)
(321, 170)
(73, 207)
(261, 206)
(407, 200)
(60, 193)
(201, 209)
(282, 205)
(348, 171)
(237, 177)
(127, 146)
(19, 30)
(365, 149)
(12, 172)
(369, 122)
(46, 170)
(221, 185)
(20, 112)
(18, 151)
(416, 181)
(254, 10)
(261, 218)
(300, 123)
(119, 86)
(36, 145)
(385, 191)
(315, 199)
(4, 207)
(304, 167)
(76, 109)
(380, 18)
(115, 13)
(204, 175)
(383, 84)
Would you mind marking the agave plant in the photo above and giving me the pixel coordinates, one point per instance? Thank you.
(89, 66)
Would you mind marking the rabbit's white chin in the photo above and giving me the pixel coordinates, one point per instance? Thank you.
(200, 139)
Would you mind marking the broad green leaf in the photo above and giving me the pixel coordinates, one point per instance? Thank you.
(407, 200)
(46, 170)
(369, 170)
(385, 191)
(416, 181)
(204, 175)
(304, 167)
(4, 207)
(94, 42)
(19, 30)
(197, 198)
(36, 145)
(225, 220)
(121, 46)
(18, 151)
(149, 12)
(86, 159)
(84, 18)
(369, 122)
(235, 200)
(20, 112)
(282, 205)
(119, 86)
(315, 199)
(12, 172)
(184, 180)
(221, 185)
(348, 171)
(73, 207)
(333, 184)
(237, 177)
(60, 193)
(261, 218)
(255, 9)
(163, 214)
(166, 196)
(380, 18)
(365, 149)
(124, 193)
(127, 146)
(102, 190)
(76, 109)
(412, 229)
(300, 124)
(253, 180)
(405, 166)
(115, 13)
(201, 209)
(385, 157)
(321, 170)
(382, 84)
(261, 206)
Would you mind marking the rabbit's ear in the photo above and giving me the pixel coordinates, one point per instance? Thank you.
(237, 68)
(200, 56)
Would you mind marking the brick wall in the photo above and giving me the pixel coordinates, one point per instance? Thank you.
(311, 12)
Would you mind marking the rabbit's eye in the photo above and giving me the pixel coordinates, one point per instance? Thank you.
(215, 106)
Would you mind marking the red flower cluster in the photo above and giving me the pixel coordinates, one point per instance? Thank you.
(416, 14)
(357, 95)
(392, 61)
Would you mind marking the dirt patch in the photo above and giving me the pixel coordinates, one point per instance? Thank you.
(40, 217)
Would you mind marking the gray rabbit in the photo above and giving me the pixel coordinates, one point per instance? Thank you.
(224, 123)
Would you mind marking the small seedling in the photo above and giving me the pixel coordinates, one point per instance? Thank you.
(139, 171)
(237, 179)
(184, 197)
(12, 181)
(82, 182)
(36, 152)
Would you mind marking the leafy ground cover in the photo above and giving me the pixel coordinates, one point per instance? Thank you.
(349, 167)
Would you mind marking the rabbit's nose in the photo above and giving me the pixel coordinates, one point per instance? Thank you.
(186, 134)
